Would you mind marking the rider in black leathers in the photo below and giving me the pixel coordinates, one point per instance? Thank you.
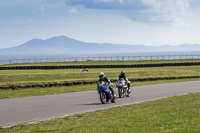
(105, 79)
(123, 76)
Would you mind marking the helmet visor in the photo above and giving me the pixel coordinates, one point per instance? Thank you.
(101, 76)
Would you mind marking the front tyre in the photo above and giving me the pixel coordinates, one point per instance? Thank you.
(103, 97)
(121, 93)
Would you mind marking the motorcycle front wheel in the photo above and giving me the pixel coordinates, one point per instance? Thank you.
(121, 93)
(103, 97)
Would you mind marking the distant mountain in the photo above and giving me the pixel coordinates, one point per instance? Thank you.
(66, 45)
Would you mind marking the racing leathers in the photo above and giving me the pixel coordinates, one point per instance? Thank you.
(108, 82)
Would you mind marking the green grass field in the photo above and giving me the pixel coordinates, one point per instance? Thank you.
(178, 114)
(12, 77)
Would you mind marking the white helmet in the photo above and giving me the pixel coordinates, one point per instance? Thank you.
(101, 74)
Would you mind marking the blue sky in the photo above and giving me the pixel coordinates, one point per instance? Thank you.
(148, 22)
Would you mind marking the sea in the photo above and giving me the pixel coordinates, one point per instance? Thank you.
(20, 58)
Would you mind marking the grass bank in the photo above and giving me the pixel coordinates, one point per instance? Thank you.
(57, 90)
(176, 114)
(12, 77)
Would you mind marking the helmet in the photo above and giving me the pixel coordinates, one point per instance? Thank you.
(101, 75)
(122, 72)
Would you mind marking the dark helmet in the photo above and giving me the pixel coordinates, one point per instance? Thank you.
(101, 75)
(122, 72)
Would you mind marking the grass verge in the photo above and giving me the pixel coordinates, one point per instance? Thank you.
(176, 114)
(57, 90)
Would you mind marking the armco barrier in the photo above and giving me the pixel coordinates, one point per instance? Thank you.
(102, 66)
(60, 84)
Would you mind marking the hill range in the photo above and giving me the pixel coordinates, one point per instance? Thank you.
(66, 45)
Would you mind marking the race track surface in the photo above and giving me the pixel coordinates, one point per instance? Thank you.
(21, 110)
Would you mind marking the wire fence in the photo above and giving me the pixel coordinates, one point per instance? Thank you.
(106, 58)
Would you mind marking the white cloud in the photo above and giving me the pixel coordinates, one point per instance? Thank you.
(108, 4)
(42, 9)
(167, 10)
(74, 11)
(150, 11)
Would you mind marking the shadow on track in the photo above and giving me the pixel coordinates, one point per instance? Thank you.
(99, 102)
(91, 104)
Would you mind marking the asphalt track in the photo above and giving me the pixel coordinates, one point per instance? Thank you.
(29, 109)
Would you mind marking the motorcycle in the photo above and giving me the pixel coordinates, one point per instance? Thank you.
(105, 93)
(122, 88)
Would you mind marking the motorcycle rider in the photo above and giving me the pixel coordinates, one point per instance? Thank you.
(105, 79)
(123, 76)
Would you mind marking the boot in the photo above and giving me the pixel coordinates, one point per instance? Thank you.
(129, 88)
(113, 92)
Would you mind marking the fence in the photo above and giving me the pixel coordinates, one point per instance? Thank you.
(112, 58)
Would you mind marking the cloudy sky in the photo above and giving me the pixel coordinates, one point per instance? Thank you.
(148, 22)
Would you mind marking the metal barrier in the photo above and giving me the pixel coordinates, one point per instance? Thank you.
(111, 58)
